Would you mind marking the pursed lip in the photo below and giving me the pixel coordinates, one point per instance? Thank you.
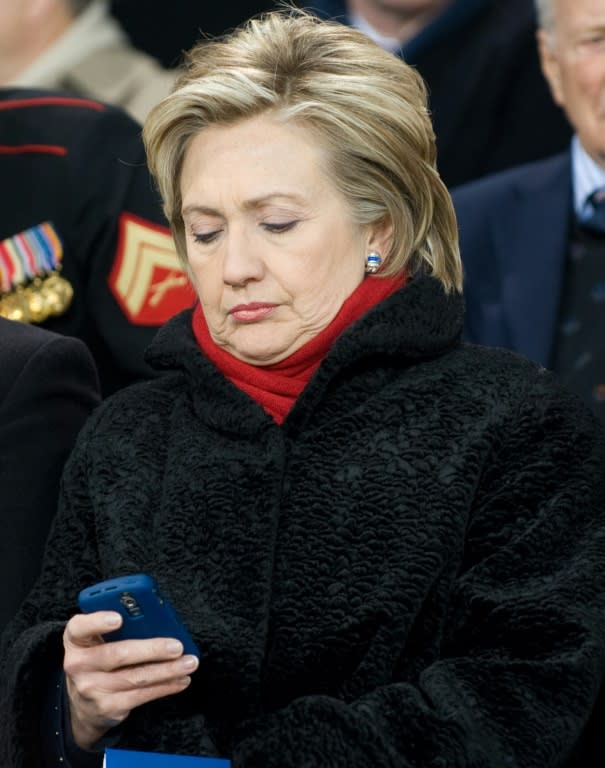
(252, 312)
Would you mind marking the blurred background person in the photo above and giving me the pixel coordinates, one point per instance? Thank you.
(77, 46)
(533, 238)
(386, 543)
(489, 102)
(533, 241)
(165, 35)
(48, 387)
(84, 245)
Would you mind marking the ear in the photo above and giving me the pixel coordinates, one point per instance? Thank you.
(549, 61)
(380, 236)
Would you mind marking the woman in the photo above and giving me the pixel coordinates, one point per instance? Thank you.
(387, 545)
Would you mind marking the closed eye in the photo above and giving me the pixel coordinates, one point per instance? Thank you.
(279, 227)
(206, 237)
(593, 39)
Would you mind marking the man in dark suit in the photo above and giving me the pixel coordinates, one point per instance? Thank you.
(533, 243)
(48, 387)
(80, 214)
(489, 102)
(533, 238)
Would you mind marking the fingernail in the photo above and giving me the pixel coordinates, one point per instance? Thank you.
(173, 646)
(190, 662)
(112, 621)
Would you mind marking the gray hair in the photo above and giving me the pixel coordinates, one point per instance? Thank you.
(545, 14)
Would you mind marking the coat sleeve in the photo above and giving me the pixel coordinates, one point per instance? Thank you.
(522, 653)
(41, 415)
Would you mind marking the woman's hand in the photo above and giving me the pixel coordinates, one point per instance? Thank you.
(105, 681)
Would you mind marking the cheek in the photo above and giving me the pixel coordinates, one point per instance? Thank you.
(586, 79)
(210, 296)
(322, 285)
(201, 264)
(206, 277)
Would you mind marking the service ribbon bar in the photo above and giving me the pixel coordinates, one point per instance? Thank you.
(35, 252)
(31, 287)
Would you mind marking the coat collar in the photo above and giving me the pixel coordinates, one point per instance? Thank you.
(418, 323)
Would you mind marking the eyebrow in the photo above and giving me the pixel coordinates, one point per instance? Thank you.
(253, 203)
(590, 28)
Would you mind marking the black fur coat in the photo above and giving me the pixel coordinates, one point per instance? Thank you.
(409, 572)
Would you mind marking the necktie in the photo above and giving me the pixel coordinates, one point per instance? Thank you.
(579, 350)
(594, 219)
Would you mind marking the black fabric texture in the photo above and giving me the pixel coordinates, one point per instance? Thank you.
(410, 571)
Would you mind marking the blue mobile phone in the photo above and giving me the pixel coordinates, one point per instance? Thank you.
(145, 611)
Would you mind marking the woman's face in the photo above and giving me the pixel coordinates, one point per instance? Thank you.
(270, 242)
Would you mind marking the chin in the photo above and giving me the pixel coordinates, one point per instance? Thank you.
(259, 355)
(260, 359)
(262, 348)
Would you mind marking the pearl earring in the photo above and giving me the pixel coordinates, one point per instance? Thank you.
(373, 262)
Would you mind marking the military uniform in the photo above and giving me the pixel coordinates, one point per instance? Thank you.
(78, 201)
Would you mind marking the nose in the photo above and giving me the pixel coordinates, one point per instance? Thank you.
(242, 261)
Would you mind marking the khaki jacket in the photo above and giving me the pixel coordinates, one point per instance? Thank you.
(121, 75)
(95, 59)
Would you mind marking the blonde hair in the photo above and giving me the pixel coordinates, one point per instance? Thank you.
(366, 108)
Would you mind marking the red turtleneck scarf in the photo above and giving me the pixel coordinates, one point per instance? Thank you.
(276, 387)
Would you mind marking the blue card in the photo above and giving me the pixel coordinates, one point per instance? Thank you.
(126, 758)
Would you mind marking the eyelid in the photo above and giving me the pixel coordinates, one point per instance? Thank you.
(280, 226)
(205, 237)
(275, 227)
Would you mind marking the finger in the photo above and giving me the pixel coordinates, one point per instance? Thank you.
(152, 692)
(115, 655)
(85, 629)
(152, 675)
(99, 685)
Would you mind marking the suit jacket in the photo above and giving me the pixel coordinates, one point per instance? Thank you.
(48, 386)
(490, 104)
(514, 232)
